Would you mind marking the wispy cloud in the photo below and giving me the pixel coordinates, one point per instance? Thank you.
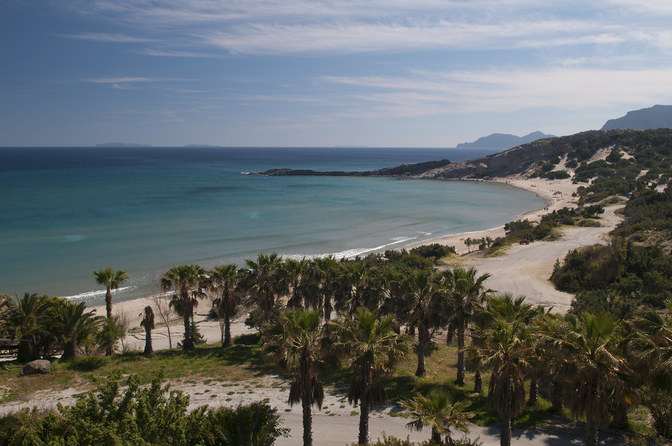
(110, 38)
(431, 93)
(341, 26)
(120, 80)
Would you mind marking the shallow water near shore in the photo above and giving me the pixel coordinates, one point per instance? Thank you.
(67, 211)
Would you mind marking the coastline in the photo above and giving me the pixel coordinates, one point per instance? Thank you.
(556, 193)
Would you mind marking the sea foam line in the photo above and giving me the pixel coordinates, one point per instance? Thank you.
(95, 293)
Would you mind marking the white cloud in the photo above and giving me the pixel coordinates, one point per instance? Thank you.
(282, 27)
(110, 38)
(120, 80)
(431, 93)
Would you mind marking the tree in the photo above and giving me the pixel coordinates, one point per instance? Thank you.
(73, 326)
(111, 280)
(437, 412)
(373, 348)
(163, 308)
(187, 282)
(417, 295)
(462, 290)
(504, 346)
(651, 344)
(224, 280)
(148, 324)
(295, 339)
(112, 329)
(268, 281)
(589, 342)
(27, 319)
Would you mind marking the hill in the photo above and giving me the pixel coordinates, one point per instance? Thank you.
(502, 141)
(656, 117)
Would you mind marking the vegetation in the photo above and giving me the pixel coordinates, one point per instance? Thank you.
(141, 416)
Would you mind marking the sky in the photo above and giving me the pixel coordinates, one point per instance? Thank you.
(392, 73)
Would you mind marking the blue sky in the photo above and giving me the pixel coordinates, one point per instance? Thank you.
(424, 73)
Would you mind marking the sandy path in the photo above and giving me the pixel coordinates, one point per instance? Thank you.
(525, 269)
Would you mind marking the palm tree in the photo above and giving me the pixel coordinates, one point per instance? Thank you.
(111, 280)
(463, 291)
(327, 270)
(589, 342)
(437, 412)
(27, 319)
(295, 339)
(187, 282)
(73, 326)
(148, 323)
(504, 346)
(418, 303)
(225, 279)
(268, 281)
(651, 345)
(372, 345)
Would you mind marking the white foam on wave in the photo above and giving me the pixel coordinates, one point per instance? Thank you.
(352, 253)
(95, 293)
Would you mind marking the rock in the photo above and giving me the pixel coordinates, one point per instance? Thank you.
(40, 366)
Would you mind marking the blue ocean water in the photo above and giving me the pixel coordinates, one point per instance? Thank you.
(67, 211)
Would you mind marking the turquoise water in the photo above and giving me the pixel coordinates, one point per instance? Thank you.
(65, 212)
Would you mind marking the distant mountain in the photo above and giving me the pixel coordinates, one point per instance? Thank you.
(502, 141)
(656, 117)
(122, 144)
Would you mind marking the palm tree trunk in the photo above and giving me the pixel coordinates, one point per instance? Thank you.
(148, 340)
(188, 343)
(436, 437)
(108, 310)
(307, 422)
(534, 391)
(227, 329)
(420, 371)
(27, 350)
(363, 438)
(505, 430)
(423, 340)
(478, 381)
(591, 430)
(69, 350)
(108, 302)
(460, 357)
(557, 395)
(327, 307)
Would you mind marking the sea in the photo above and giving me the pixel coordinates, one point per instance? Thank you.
(65, 212)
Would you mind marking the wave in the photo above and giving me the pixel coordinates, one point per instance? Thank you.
(352, 253)
(87, 295)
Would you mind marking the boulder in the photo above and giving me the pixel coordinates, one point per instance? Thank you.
(40, 366)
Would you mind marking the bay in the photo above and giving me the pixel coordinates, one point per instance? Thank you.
(67, 211)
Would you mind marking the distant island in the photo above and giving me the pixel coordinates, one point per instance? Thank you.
(656, 117)
(121, 144)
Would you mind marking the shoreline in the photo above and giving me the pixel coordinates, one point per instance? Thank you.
(556, 193)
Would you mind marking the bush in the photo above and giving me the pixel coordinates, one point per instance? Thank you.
(433, 251)
(141, 416)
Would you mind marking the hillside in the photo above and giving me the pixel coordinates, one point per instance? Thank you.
(656, 117)
(502, 141)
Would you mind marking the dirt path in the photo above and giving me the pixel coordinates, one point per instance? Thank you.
(525, 269)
